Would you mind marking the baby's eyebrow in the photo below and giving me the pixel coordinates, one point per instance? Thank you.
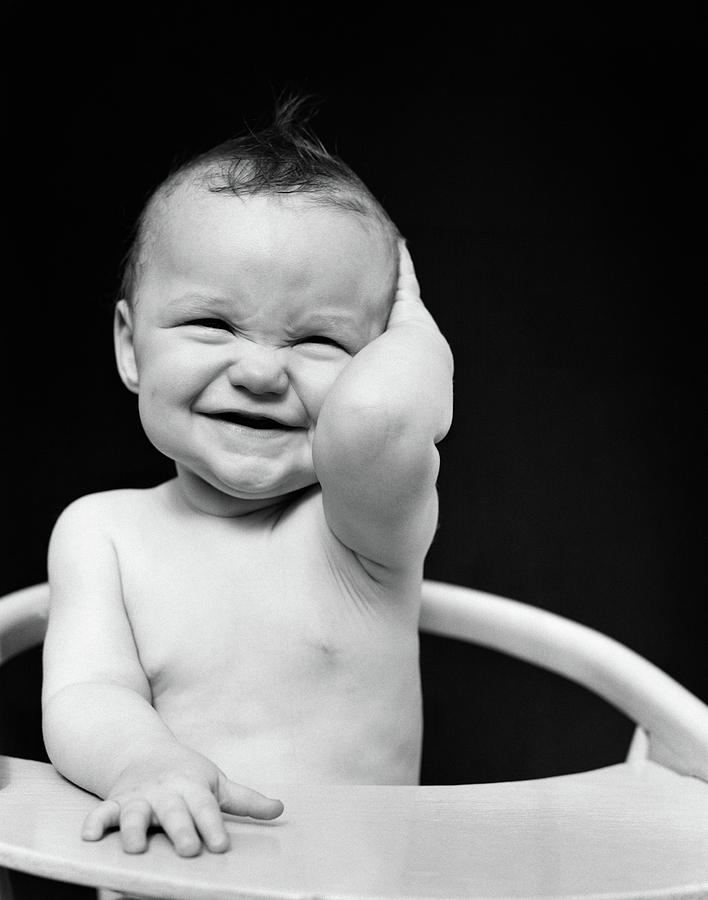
(322, 321)
(193, 302)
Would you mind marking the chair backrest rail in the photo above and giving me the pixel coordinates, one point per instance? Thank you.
(23, 620)
(675, 719)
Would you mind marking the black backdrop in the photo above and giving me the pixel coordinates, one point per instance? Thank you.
(546, 174)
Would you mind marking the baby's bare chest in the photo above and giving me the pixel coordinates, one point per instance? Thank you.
(247, 612)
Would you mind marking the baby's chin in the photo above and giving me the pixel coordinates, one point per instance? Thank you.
(210, 493)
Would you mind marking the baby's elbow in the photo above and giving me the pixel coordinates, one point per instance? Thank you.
(371, 431)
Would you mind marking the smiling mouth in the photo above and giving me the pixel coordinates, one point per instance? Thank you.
(245, 421)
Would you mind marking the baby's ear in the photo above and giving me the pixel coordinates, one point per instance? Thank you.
(123, 343)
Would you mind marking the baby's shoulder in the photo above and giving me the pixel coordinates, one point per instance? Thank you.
(106, 510)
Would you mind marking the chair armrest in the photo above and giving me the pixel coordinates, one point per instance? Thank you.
(23, 620)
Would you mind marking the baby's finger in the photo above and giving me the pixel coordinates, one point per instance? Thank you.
(407, 280)
(100, 819)
(242, 801)
(176, 820)
(135, 819)
(209, 821)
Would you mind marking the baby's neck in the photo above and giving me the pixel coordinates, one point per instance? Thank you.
(191, 491)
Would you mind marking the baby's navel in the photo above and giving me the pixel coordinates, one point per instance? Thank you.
(328, 652)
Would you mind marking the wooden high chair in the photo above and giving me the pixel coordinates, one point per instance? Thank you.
(638, 829)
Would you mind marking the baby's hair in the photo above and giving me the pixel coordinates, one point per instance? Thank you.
(284, 157)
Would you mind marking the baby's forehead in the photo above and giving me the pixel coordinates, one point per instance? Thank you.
(189, 199)
(185, 218)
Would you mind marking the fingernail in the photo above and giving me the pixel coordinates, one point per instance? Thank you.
(189, 848)
(134, 848)
(220, 844)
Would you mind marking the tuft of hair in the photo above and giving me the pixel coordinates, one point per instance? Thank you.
(284, 157)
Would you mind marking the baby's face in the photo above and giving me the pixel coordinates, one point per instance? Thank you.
(247, 311)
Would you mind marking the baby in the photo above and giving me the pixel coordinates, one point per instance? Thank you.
(253, 621)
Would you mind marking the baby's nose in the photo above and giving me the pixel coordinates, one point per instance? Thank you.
(260, 370)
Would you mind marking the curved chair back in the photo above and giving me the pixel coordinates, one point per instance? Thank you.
(23, 620)
(673, 723)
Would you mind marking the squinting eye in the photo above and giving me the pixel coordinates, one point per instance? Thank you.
(211, 323)
(321, 339)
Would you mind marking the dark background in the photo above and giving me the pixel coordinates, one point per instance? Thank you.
(547, 172)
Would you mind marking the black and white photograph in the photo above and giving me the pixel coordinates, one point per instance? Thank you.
(355, 453)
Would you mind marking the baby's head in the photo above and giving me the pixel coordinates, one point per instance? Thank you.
(257, 271)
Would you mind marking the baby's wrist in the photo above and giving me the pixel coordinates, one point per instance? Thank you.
(147, 754)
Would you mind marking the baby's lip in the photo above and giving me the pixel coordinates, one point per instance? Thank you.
(249, 419)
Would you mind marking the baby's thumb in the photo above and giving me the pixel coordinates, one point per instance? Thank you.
(242, 801)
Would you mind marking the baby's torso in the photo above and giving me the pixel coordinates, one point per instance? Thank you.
(270, 649)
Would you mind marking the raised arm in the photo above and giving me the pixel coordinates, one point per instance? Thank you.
(100, 729)
(374, 448)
